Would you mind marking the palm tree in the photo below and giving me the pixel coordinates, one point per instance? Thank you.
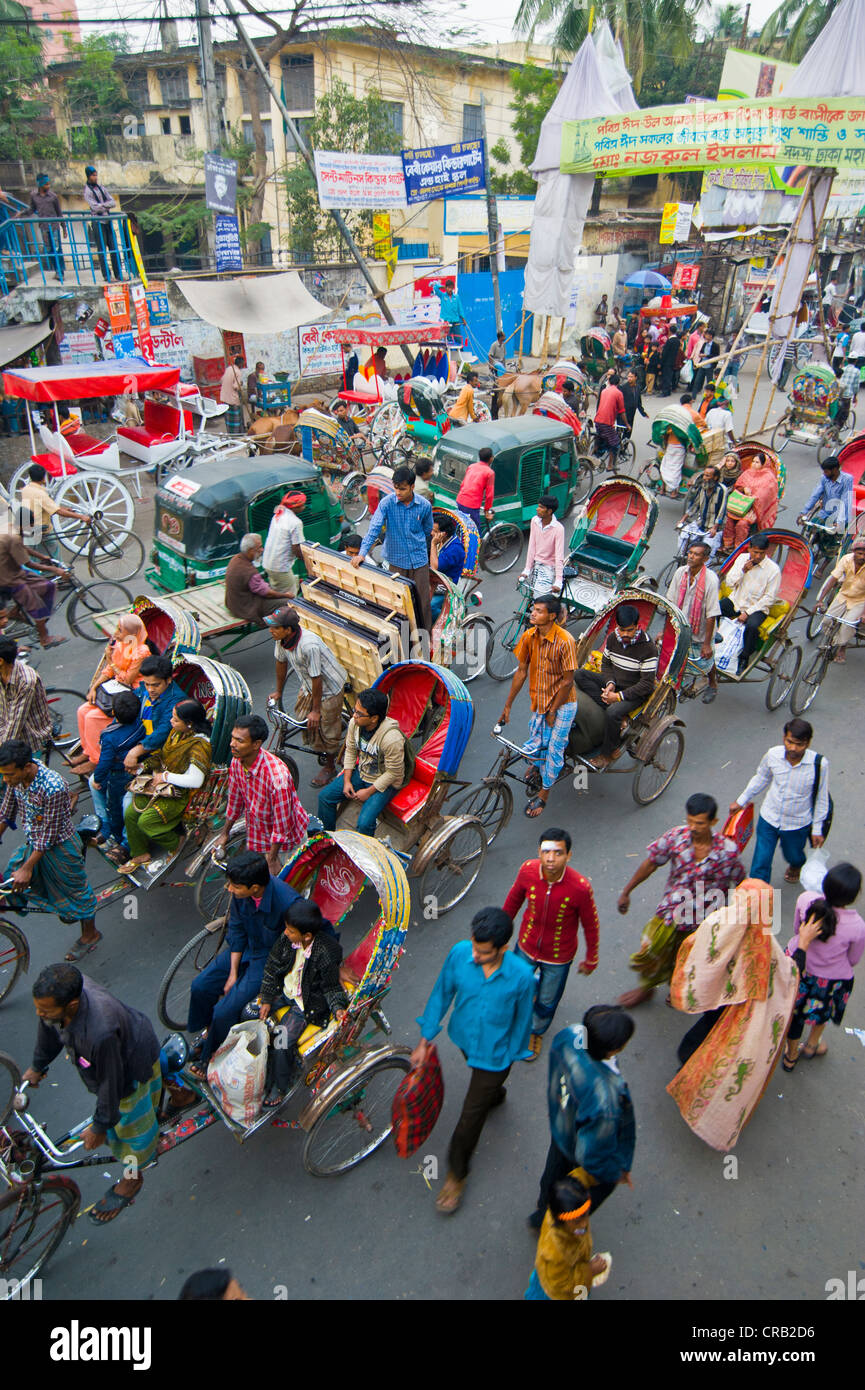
(728, 21)
(797, 22)
(644, 27)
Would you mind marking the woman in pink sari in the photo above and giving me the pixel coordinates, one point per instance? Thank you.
(120, 664)
(757, 481)
(733, 972)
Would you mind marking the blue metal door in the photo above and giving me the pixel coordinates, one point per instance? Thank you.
(476, 293)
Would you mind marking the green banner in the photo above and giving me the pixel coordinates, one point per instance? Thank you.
(718, 135)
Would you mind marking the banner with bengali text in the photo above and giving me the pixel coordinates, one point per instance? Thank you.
(719, 135)
(359, 180)
(443, 170)
(319, 354)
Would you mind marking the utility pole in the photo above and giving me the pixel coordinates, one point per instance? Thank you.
(211, 97)
(492, 221)
(744, 38)
(305, 153)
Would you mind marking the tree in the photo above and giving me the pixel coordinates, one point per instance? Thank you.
(95, 91)
(645, 28)
(535, 90)
(22, 94)
(795, 25)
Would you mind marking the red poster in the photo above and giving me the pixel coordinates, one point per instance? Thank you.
(234, 346)
(142, 322)
(117, 302)
(685, 276)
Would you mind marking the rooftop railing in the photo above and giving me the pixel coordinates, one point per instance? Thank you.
(76, 248)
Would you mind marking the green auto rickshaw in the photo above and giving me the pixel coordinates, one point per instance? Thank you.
(202, 513)
(532, 455)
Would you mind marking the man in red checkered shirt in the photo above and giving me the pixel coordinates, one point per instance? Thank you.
(260, 788)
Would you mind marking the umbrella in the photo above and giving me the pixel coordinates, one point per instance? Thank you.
(644, 279)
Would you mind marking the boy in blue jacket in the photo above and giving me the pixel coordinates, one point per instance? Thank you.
(109, 778)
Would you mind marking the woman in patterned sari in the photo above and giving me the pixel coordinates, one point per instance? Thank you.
(734, 973)
(176, 770)
(757, 481)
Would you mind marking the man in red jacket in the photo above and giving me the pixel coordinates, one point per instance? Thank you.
(558, 900)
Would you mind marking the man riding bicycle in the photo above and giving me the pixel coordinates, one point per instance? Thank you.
(705, 510)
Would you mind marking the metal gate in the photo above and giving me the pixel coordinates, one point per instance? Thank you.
(476, 294)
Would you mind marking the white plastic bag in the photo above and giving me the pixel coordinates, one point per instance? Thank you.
(814, 870)
(732, 634)
(237, 1071)
(686, 375)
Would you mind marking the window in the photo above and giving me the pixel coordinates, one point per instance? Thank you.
(138, 90)
(254, 77)
(393, 111)
(175, 85)
(303, 123)
(165, 122)
(185, 125)
(298, 80)
(221, 81)
(267, 127)
(472, 123)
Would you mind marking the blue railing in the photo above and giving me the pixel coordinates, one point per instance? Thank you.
(76, 248)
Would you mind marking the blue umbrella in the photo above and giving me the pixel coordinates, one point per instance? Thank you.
(644, 279)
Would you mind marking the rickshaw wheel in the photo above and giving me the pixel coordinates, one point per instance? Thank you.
(650, 474)
(14, 957)
(814, 624)
(172, 1004)
(653, 777)
(10, 1081)
(90, 603)
(784, 673)
(33, 1223)
(583, 481)
(211, 894)
(491, 803)
(475, 636)
(93, 492)
(780, 436)
(501, 662)
(501, 548)
(63, 706)
(666, 574)
(453, 868)
(357, 1121)
(355, 503)
(804, 692)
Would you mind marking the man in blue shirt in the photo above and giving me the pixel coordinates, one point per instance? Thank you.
(158, 694)
(491, 990)
(447, 557)
(409, 521)
(450, 308)
(256, 918)
(832, 498)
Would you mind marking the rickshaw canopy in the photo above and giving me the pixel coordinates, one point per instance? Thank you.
(410, 686)
(667, 311)
(89, 380)
(661, 620)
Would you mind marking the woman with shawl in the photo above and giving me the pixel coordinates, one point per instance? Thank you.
(121, 664)
(757, 481)
(176, 770)
(733, 972)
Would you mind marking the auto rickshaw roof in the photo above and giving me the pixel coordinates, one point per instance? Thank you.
(500, 435)
(216, 485)
(89, 380)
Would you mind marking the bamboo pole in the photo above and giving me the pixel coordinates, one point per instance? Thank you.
(545, 346)
(522, 331)
(561, 337)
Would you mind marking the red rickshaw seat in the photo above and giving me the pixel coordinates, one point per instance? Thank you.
(410, 797)
(54, 465)
(147, 438)
(81, 443)
(358, 398)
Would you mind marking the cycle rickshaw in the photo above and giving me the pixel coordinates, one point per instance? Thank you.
(597, 358)
(701, 447)
(811, 418)
(349, 1077)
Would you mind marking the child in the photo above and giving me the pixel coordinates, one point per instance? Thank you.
(109, 778)
(565, 1268)
(351, 545)
(302, 971)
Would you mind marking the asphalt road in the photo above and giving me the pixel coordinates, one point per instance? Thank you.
(785, 1223)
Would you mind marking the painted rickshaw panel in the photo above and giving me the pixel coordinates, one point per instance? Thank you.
(410, 686)
(469, 535)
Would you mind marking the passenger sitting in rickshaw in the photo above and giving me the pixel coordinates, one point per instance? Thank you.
(629, 668)
(34, 596)
(731, 467)
(447, 557)
(248, 596)
(463, 410)
(759, 482)
(374, 764)
(752, 584)
(340, 413)
(831, 502)
(169, 777)
(705, 509)
(158, 694)
(120, 668)
(301, 975)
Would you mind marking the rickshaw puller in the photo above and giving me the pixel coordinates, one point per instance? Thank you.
(832, 499)
(547, 655)
(322, 685)
(849, 602)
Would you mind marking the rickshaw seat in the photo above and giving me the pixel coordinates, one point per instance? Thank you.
(83, 444)
(54, 465)
(608, 551)
(411, 797)
(312, 1031)
(358, 398)
(409, 699)
(776, 613)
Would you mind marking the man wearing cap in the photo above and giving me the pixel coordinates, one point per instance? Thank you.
(44, 203)
(101, 203)
(322, 683)
(282, 546)
(849, 602)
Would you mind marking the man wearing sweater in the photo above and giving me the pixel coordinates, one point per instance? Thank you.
(558, 900)
(629, 669)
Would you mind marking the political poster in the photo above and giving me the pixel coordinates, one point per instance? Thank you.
(441, 171)
(157, 302)
(220, 183)
(685, 276)
(359, 180)
(117, 303)
(229, 255)
(142, 320)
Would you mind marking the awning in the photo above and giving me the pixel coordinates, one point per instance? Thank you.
(89, 380)
(15, 341)
(253, 303)
(392, 335)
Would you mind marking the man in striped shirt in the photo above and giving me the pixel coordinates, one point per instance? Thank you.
(547, 655)
(629, 669)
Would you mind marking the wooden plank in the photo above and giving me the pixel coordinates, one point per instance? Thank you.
(389, 591)
(357, 653)
(364, 614)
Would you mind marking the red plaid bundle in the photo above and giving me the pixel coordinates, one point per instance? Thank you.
(739, 826)
(417, 1105)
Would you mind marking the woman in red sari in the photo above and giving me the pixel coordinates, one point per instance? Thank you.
(757, 481)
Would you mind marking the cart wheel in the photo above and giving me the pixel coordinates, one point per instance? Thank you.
(501, 548)
(780, 436)
(786, 669)
(92, 602)
(33, 1223)
(14, 957)
(654, 776)
(93, 492)
(804, 692)
(211, 894)
(452, 871)
(63, 706)
(814, 624)
(117, 556)
(472, 642)
(385, 423)
(482, 412)
(172, 1004)
(357, 1121)
(501, 662)
(10, 1081)
(584, 479)
(355, 503)
(492, 804)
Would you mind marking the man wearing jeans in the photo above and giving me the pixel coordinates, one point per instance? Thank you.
(373, 764)
(491, 990)
(409, 522)
(558, 900)
(796, 805)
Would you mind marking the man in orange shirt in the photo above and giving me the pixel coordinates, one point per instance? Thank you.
(464, 410)
(547, 655)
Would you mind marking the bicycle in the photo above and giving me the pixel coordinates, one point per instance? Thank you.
(689, 533)
(805, 690)
(501, 662)
(104, 549)
(84, 604)
(501, 546)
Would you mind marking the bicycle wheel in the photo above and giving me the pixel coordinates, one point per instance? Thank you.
(664, 576)
(501, 547)
(63, 706)
(355, 504)
(583, 479)
(211, 894)
(780, 436)
(116, 555)
(471, 645)
(455, 865)
(33, 1223)
(491, 803)
(357, 1121)
(172, 1004)
(804, 692)
(501, 662)
(14, 956)
(627, 455)
(653, 777)
(785, 670)
(814, 624)
(92, 602)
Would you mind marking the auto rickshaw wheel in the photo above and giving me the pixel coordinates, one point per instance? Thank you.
(785, 669)
(172, 1004)
(452, 869)
(358, 1119)
(492, 803)
(653, 777)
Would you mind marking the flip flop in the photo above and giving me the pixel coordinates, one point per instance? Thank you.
(535, 807)
(82, 948)
(112, 1203)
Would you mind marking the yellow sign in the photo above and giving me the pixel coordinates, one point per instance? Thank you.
(668, 222)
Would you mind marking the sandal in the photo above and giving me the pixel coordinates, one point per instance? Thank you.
(535, 807)
(112, 1204)
(323, 779)
(792, 875)
(82, 948)
(819, 1051)
(132, 864)
(196, 1070)
(273, 1098)
(788, 1063)
(451, 1195)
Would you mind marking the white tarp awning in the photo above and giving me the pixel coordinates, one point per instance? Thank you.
(21, 337)
(253, 303)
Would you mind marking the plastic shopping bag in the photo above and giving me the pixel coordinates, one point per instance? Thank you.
(814, 870)
(237, 1071)
(732, 634)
